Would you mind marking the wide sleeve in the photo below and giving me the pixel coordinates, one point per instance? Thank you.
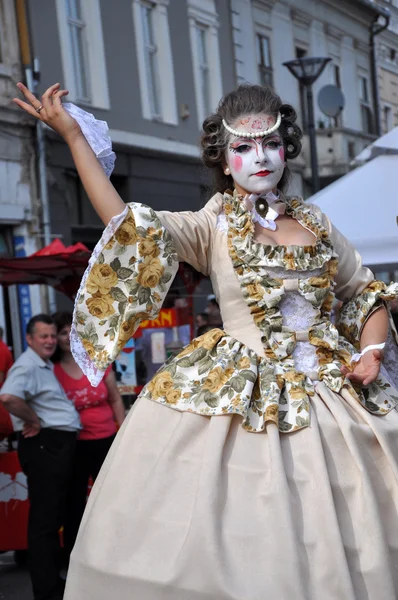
(127, 279)
(192, 233)
(356, 287)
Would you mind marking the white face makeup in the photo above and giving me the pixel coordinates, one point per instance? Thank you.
(256, 164)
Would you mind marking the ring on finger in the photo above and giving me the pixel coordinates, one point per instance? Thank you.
(38, 109)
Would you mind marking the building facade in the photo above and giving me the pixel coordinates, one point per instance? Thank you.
(152, 70)
(387, 56)
(268, 33)
(19, 204)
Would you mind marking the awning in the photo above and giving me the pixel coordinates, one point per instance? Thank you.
(386, 144)
(56, 265)
(363, 205)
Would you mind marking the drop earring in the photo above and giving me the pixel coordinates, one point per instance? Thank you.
(227, 171)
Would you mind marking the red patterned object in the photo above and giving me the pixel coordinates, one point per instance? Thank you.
(14, 503)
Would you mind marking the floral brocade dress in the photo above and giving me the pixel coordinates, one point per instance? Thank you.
(249, 467)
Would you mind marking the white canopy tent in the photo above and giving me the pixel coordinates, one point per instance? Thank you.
(386, 144)
(363, 205)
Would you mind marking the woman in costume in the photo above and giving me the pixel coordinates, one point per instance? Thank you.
(261, 462)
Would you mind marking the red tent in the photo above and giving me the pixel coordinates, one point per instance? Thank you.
(56, 265)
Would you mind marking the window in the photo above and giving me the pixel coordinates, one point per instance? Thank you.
(155, 61)
(264, 60)
(366, 111)
(387, 118)
(83, 54)
(351, 149)
(393, 54)
(203, 67)
(78, 44)
(151, 60)
(203, 30)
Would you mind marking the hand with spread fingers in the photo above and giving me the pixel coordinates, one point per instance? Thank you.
(365, 370)
(50, 110)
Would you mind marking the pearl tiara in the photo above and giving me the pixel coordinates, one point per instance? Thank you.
(238, 133)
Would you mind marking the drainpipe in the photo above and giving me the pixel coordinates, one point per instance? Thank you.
(31, 81)
(375, 29)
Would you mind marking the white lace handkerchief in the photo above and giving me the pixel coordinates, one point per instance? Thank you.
(97, 135)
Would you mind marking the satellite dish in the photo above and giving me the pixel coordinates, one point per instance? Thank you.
(331, 100)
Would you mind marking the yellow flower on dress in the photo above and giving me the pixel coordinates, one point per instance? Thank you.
(89, 348)
(190, 348)
(289, 261)
(100, 306)
(101, 279)
(297, 393)
(210, 339)
(150, 272)
(294, 376)
(128, 328)
(126, 234)
(272, 410)
(160, 385)
(110, 244)
(216, 379)
(173, 396)
(333, 267)
(328, 303)
(148, 247)
(244, 363)
(258, 315)
(255, 291)
(235, 402)
(319, 282)
(102, 358)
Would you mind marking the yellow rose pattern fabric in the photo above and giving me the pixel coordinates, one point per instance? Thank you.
(128, 277)
(264, 294)
(355, 313)
(216, 374)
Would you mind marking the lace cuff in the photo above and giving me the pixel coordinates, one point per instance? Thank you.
(128, 277)
(356, 311)
(96, 134)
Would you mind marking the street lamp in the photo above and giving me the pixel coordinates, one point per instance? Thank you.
(307, 70)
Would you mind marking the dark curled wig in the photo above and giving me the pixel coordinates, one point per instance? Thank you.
(247, 99)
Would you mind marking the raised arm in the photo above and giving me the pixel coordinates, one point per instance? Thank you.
(103, 196)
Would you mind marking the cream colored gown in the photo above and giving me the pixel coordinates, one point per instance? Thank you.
(195, 507)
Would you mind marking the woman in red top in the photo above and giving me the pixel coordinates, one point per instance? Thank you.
(100, 409)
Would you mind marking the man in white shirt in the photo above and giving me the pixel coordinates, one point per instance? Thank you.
(47, 423)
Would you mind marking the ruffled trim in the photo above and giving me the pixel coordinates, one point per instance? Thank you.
(356, 311)
(297, 258)
(217, 375)
(128, 277)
